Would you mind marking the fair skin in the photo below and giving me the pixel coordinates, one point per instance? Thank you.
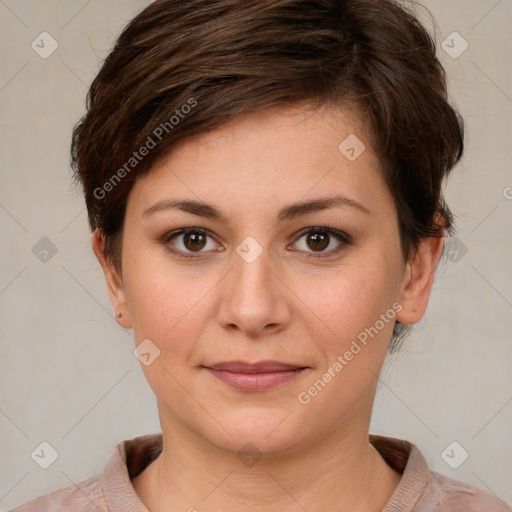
(298, 303)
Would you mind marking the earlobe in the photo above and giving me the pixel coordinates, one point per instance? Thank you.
(418, 280)
(114, 282)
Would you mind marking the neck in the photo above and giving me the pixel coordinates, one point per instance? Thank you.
(343, 473)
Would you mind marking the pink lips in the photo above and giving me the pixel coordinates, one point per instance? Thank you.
(255, 376)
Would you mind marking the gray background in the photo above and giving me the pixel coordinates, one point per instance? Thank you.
(67, 372)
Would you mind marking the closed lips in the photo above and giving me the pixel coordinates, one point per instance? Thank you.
(261, 367)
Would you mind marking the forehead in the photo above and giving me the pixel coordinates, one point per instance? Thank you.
(268, 158)
(307, 130)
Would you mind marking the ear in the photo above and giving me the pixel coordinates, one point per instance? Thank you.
(418, 280)
(114, 281)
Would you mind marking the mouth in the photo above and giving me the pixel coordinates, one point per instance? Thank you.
(255, 376)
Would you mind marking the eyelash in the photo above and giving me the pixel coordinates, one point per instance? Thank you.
(344, 239)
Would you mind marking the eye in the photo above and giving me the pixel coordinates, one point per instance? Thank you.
(315, 242)
(187, 241)
(322, 240)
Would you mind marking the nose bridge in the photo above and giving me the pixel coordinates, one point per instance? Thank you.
(253, 298)
(252, 282)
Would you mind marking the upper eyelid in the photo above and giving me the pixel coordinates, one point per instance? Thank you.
(183, 231)
(341, 236)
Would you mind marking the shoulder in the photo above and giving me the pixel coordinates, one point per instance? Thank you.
(445, 494)
(423, 490)
(109, 490)
(85, 496)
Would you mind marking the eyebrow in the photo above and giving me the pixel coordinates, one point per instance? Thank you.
(286, 213)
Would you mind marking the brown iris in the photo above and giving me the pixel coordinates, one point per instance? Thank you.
(318, 240)
(196, 240)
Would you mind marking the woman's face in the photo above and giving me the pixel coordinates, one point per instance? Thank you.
(292, 255)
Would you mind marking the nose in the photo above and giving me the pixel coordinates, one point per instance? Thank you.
(254, 298)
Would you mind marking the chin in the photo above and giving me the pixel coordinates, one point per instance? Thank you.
(269, 432)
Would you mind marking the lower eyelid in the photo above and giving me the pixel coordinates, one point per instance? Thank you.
(343, 239)
(172, 236)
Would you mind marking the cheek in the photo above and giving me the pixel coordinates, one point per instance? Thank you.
(346, 301)
(359, 308)
(166, 304)
(168, 309)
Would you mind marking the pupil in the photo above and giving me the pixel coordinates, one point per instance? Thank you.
(196, 241)
(320, 241)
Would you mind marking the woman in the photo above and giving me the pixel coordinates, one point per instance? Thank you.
(263, 182)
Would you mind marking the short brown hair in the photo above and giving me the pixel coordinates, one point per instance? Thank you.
(185, 67)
